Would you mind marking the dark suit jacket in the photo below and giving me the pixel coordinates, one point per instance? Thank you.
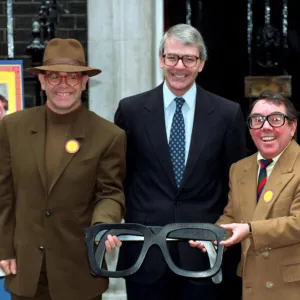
(152, 198)
(87, 188)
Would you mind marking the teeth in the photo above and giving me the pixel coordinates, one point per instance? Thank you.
(63, 94)
(268, 138)
(179, 76)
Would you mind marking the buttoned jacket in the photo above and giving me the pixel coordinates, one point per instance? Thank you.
(36, 221)
(152, 196)
(270, 264)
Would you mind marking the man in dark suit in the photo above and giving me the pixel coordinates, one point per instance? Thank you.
(166, 183)
(62, 168)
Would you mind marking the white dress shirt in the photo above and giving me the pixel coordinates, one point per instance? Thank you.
(188, 111)
(271, 166)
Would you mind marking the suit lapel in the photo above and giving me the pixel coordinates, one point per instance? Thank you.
(201, 131)
(37, 133)
(156, 128)
(279, 178)
(77, 133)
(247, 189)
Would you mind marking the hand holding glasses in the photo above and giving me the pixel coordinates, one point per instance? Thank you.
(97, 235)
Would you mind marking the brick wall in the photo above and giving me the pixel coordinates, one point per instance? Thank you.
(72, 23)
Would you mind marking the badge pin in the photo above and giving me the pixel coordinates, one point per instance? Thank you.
(268, 196)
(72, 146)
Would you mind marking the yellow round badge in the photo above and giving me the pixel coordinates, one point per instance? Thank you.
(268, 196)
(72, 146)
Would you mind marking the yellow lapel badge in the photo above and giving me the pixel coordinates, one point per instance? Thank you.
(268, 196)
(72, 146)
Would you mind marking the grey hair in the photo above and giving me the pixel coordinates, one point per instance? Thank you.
(186, 34)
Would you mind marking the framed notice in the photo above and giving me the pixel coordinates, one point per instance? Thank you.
(254, 85)
(12, 85)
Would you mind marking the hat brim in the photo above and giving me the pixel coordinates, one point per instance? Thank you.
(65, 68)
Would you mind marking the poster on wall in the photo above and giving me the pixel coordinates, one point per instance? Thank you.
(11, 85)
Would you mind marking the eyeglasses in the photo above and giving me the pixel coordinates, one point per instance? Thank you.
(274, 119)
(140, 238)
(71, 79)
(172, 60)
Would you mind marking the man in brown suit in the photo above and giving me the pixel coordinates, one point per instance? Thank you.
(62, 168)
(264, 203)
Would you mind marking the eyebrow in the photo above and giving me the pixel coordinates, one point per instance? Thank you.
(259, 114)
(171, 53)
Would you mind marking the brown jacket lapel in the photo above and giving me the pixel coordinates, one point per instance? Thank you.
(247, 189)
(37, 132)
(279, 178)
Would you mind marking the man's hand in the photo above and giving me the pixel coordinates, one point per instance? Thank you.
(240, 231)
(112, 242)
(200, 245)
(9, 266)
(197, 244)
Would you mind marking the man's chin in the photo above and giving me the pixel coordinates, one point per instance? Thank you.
(269, 154)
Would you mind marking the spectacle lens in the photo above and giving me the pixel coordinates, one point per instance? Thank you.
(188, 61)
(71, 79)
(275, 120)
(132, 241)
(194, 259)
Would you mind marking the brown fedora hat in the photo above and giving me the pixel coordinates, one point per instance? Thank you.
(64, 55)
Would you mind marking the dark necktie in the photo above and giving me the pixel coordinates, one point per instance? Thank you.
(177, 141)
(262, 177)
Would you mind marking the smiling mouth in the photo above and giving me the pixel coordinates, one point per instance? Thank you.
(63, 94)
(268, 138)
(179, 76)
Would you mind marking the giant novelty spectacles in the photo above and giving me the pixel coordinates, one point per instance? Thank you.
(160, 236)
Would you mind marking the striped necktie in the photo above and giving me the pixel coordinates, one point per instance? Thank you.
(177, 142)
(262, 177)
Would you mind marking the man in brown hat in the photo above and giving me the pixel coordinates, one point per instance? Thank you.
(62, 168)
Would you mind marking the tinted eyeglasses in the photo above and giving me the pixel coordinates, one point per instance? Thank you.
(275, 120)
(71, 79)
(148, 236)
(172, 60)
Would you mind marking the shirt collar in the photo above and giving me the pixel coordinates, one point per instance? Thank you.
(275, 159)
(189, 96)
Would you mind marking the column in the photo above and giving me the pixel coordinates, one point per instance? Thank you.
(123, 40)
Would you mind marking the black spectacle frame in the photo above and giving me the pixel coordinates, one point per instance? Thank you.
(153, 235)
(267, 118)
(182, 59)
